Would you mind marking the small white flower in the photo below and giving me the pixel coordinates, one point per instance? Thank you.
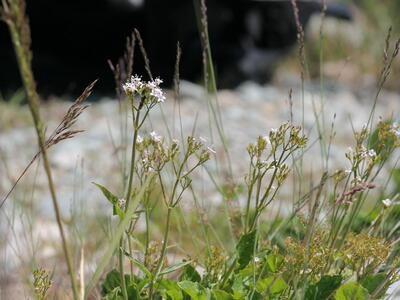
(348, 171)
(371, 153)
(256, 259)
(158, 94)
(133, 85)
(175, 141)
(203, 140)
(274, 130)
(155, 137)
(211, 150)
(139, 139)
(155, 90)
(121, 203)
(387, 203)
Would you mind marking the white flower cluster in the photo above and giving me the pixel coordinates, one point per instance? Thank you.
(396, 129)
(364, 152)
(122, 203)
(387, 203)
(155, 137)
(150, 88)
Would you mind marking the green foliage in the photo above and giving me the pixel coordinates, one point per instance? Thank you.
(324, 288)
(117, 210)
(372, 282)
(351, 291)
(245, 248)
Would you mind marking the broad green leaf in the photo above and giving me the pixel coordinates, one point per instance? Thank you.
(324, 288)
(133, 293)
(192, 289)
(220, 295)
(245, 248)
(175, 267)
(372, 282)
(247, 271)
(171, 290)
(117, 211)
(238, 288)
(111, 282)
(111, 286)
(351, 291)
(274, 262)
(271, 286)
(189, 273)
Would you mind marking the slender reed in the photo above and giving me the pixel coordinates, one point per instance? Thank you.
(13, 13)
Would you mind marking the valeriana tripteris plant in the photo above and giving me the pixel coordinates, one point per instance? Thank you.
(150, 155)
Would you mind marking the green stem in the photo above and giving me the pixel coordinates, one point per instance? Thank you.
(128, 197)
(163, 251)
(23, 54)
(121, 268)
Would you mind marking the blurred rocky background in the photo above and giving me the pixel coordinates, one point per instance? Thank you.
(258, 73)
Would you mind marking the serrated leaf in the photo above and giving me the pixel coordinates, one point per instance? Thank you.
(245, 248)
(324, 288)
(351, 291)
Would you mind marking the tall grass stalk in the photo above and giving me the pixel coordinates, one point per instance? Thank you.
(13, 13)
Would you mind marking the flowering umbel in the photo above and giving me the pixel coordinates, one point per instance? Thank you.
(149, 91)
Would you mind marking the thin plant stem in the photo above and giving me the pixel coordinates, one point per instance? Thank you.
(16, 23)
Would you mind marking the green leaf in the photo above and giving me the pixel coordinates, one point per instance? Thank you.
(238, 288)
(274, 262)
(111, 282)
(324, 288)
(138, 264)
(189, 273)
(271, 286)
(372, 282)
(114, 242)
(117, 211)
(351, 291)
(171, 290)
(133, 293)
(192, 289)
(115, 294)
(175, 267)
(220, 295)
(245, 248)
